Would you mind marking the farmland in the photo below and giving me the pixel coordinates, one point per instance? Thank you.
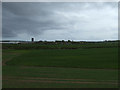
(91, 65)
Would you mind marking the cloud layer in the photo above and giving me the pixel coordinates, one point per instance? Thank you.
(60, 21)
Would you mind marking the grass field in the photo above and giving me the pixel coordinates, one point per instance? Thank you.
(60, 68)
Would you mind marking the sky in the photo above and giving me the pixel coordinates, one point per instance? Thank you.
(51, 21)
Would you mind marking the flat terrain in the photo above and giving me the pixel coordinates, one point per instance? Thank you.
(60, 68)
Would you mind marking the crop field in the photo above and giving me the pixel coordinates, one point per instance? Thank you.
(60, 66)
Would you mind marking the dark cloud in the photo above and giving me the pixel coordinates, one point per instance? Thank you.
(50, 21)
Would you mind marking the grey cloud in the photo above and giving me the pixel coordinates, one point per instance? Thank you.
(58, 20)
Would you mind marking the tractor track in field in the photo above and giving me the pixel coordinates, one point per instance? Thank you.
(75, 82)
(69, 67)
(6, 60)
(60, 80)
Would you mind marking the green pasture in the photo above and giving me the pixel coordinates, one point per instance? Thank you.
(60, 68)
(79, 58)
(50, 77)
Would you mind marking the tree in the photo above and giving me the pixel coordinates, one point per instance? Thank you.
(69, 41)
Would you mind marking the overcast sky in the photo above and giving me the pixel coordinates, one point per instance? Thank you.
(60, 21)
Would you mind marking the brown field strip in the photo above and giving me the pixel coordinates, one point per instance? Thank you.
(58, 80)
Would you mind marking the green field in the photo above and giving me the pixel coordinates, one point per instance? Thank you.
(60, 68)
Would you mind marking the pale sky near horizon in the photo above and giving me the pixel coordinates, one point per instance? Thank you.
(60, 21)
